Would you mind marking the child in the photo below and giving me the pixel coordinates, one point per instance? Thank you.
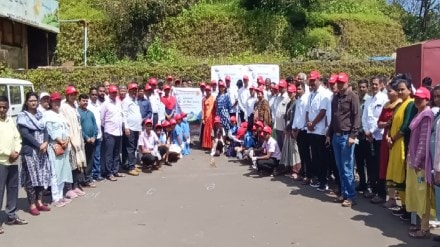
(218, 136)
(270, 159)
(186, 134)
(175, 151)
(147, 144)
(162, 143)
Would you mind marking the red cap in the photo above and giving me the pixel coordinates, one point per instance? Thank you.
(55, 96)
(148, 121)
(243, 125)
(208, 88)
(314, 75)
(252, 88)
(166, 87)
(260, 81)
(423, 93)
(282, 84)
(291, 89)
(260, 77)
(173, 121)
(217, 119)
(227, 78)
(275, 87)
(259, 124)
(183, 114)
(202, 84)
(132, 86)
(71, 90)
(152, 81)
(177, 117)
(246, 78)
(342, 78)
(333, 78)
(222, 84)
(267, 129)
(213, 82)
(260, 89)
(158, 125)
(148, 87)
(165, 123)
(233, 119)
(169, 78)
(113, 89)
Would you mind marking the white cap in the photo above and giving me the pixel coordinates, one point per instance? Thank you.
(44, 94)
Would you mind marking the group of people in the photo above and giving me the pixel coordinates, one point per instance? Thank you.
(319, 129)
(59, 145)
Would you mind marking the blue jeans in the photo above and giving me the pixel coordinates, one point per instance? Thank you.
(96, 169)
(345, 164)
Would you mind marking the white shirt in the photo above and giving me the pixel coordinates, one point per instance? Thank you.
(41, 109)
(95, 108)
(299, 120)
(271, 146)
(233, 95)
(272, 100)
(318, 101)
(250, 103)
(155, 102)
(131, 114)
(243, 95)
(280, 110)
(328, 113)
(372, 109)
(111, 117)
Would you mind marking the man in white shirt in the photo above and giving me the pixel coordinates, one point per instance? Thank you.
(280, 110)
(271, 158)
(233, 96)
(154, 100)
(132, 119)
(316, 110)
(267, 89)
(214, 88)
(94, 106)
(243, 95)
(250, 104)
(370, 116)
(272, 99)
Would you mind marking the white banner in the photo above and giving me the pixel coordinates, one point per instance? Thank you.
(189, 100)
(271, 71)
(236, 72)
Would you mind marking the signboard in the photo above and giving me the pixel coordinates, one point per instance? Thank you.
(189, 100)
(236, 72)
(38, 13)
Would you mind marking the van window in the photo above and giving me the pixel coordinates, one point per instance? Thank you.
(15, 95)
(4, 90)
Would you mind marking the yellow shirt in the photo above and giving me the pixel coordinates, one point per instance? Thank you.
(10, 140)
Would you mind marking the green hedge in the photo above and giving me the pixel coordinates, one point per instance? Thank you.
(83, 77)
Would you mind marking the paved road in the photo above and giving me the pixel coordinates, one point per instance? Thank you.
(192, 204)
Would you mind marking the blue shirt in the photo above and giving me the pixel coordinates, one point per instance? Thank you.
(177, 132)
(249, 140)
(145, 107)
(88, 124)
(185, 128)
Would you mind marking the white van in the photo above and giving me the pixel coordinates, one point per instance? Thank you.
(15, 90)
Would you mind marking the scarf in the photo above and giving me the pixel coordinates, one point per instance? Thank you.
(416, 131)
(31, 121)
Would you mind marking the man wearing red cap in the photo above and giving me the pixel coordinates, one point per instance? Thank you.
(214, 90)
(111, 120)
(316, 110)
(77, 153)
(270, 159)
(250, 106)
(144, 101)
(267, 89)
(343, 132)
(233, 96)
(132, 119)
(243, 95)
(280, 110)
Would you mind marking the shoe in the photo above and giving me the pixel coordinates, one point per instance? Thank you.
(368, 194)
(398, 212)
(79, 192)
(133, 172)
(34, 211)
(305, 181)
(406, 216)
(348, 203)
(138, 169)
(377, 200)
(360, 188)
(391, 203)
(112, 178)
(99, 179)
(71, 194)
(59, 204)
(322, 188)
(315, 184)
(66, 200)
(16, 221)
(43, 208)
(168, 163)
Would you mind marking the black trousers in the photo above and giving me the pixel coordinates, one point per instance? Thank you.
(155, 118)
(267, 165)
(330, 157)
(373, 169)
(129, 147)
(304, 154)
(241, 116)
(110, 154)
(148, 159)
(34, 193)
(319, 163)
(9, 183)
(362, 154)
(90, 158)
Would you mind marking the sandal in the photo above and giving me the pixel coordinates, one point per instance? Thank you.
(90, 185)
(112, 178)
(420, 234)
(391, 203)
(348, 203)
(339, 199)
(119, 175)
(16, 221)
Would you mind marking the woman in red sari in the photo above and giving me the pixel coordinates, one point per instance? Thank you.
(208, 112)
(384, 122)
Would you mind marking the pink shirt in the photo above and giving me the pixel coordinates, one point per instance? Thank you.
(148, 141)
(111, 117)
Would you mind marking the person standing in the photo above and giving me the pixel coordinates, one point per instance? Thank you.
(223, 105)
(111, 120)
(145, 98)
(101, 94)
(280, 111)
(89, 130)
(77, 153)
(343, 131)
(35, 172)
(250, 106)
(262, 108)
(154, 99)
(44, 102)
(170, 103)
(10, 146)
(373, 134)
(208, 112)
(243, 95)
(132, 121)
(94, 105)
(122, 93)
(315, 120)
(233, 96)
